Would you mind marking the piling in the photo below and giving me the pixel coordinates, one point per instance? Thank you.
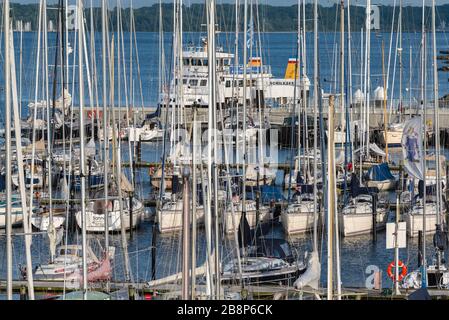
(89, 175)
(131, 292)
(23, 293)
(374, 206)
(72, 222)
(420, 245)
(44, 172)
(131, 195)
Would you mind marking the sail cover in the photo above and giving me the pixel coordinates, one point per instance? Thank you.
(380, 172)
(412, 143)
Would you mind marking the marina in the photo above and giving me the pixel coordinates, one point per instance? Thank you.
(226, 164)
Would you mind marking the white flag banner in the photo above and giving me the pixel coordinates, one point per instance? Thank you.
(412, 147)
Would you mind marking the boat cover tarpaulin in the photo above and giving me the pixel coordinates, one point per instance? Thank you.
(356, 189)
(380, 172)
(267, 194)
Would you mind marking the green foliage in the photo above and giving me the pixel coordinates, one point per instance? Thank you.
(266, 18)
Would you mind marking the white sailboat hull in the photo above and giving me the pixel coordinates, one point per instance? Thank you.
(96, 222)
(298, 217)
(356, 223)
(170, 218)
(232, 221)
(384, 185)
(16, 219)
(415, 220)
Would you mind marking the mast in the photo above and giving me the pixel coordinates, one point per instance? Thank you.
(211, 135)
(17, 127)
(330, 201)
(105, 123)
(332, 186)
(6, 33)
(315, 125)
(194, 201)
(49, 125)
(351, 146)
(185, 235)
(437, 128)
(400, 61)
(82, 155)
(385, 102)
(424, 111)
(245, 61)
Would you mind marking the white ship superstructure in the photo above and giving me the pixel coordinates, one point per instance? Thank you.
(262, 89)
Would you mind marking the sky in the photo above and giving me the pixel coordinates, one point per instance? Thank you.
(140, 3)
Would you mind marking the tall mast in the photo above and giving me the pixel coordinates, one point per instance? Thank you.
(367, 72)
(342, 63)
(49, 122)
(330, 201)
(105, 122)
(82, 155)
(437, 126)
(212, 106)
(245, 61)
(400, 60)
(350, 76)
(315, 124)
(424, 112)
(6, 33)
(17, 131)
(385, 102)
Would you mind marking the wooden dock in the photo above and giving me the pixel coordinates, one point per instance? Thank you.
(256, 292)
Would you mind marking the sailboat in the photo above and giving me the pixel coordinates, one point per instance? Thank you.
(356, 216)
(269, 260)
(232, 220)
(68, 263)
(298, 217)
(169, 216)
(16, 212)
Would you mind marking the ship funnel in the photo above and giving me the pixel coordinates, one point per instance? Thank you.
(291, 67)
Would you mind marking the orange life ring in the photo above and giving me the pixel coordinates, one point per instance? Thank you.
(401, 265)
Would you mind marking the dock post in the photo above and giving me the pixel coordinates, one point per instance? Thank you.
(139, 150)
(89, 175)
(72, 221)
(23, 293)
(374, 206)
(44, 172)
(131, 292)
(420, 244)
(131, 196)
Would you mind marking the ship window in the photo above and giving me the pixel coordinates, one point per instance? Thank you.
(241, 83)
(184, 81)
(203, 83)
(194, 62)
(205, 63)
(228, 83)
(186, 62)
(193, 82)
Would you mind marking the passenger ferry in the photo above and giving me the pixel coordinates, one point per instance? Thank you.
(263, 89)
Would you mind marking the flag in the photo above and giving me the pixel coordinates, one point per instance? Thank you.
(412, 147)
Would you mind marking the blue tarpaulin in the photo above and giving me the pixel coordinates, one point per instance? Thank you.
(267, 193)
(380, 172)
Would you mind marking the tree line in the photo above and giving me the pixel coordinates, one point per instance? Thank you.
(266, 18)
